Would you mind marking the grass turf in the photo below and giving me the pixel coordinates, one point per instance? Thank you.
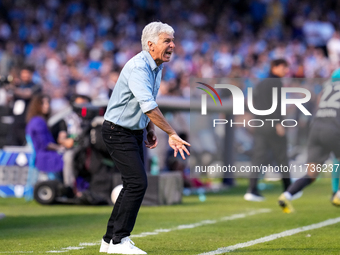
(32, 228)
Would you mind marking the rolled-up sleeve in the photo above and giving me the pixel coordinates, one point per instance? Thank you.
(140, 84)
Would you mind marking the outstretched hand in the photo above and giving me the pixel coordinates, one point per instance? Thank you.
(178, 145)
(151, 141)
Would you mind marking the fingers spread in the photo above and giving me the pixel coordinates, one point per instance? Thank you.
(182, 154)
(186, 150)
(186, 143)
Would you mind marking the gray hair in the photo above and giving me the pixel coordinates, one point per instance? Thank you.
(152, 31)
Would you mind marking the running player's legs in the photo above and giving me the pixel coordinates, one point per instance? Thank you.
(318, 151)
(335, 175)
(335, 182)
(335, 147)
(259, 157)
(279, 148)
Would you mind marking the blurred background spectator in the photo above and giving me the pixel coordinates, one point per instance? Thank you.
(23, 90)
(76, 53)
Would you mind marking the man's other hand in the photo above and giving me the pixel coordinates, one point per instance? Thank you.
(151, 141)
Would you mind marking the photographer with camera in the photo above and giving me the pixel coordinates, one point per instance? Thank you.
(67, 132)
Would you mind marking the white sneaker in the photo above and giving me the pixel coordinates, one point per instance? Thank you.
(252, 197)
(104, 247)
(126, 246)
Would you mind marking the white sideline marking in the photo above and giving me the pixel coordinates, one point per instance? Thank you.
(157, 231)
(73, 248)
(203, 223)
(89, 244)
(16, 252)
(273, 236)
(70, 248)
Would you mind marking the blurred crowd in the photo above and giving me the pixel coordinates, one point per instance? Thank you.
(79, 46)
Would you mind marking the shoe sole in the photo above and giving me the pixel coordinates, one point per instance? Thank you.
(103, 250)
(124, 253)
(119, 250)
(252, 198)
(104, 247)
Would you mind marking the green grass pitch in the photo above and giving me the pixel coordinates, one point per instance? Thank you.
(35, 229)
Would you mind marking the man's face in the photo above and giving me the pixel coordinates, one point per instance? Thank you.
(81, 100)
(163, 49)
(25, 76)
(280, 70)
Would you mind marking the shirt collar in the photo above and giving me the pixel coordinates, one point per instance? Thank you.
(151, 61)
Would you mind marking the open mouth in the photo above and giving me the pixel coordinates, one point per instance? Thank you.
(168, 53)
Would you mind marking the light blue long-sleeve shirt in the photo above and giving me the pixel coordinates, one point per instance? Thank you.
(135, 92)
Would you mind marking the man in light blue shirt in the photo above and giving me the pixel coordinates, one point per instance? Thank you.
(135, 92)
(131, 109)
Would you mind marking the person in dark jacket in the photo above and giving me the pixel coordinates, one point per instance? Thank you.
(271, 137)
(22, 95)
